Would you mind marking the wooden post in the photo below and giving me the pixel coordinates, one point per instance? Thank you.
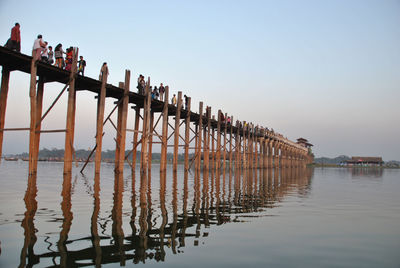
(207, 131)
(224, 152)
(196, 147)
(250, 146)
(176, 133)
(212, 146)
(151, 141)
(5, 79)
(198, 167)
(122, 123)
(265, 154)
(237, 145)
(118, 136)
(218, 160)
(135, 138)
(164, 143)
(270, 152)
(276, 151)
(187, 134)
(70, 125)
(261, 155)
(244, 156)
(230, 143)
(256, 141)
(101, 100)
(39, 107)
(33, 101)
(145, 132)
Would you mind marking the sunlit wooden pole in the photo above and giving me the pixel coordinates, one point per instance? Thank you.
(176, 133)
(5, 79)
(70, 125)
(164, 142)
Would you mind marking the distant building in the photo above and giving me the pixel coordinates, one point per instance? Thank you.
(364, 161)
(304, 142)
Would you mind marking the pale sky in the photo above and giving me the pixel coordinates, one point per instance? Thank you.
(328, 71)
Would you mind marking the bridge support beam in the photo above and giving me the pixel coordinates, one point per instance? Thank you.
(164, 141)
(176, 131)
(206, 141)
(218, 160)
(100, 118)
(230, 143)
(224, 152)
(121, 125)
(150, 154)
(38, 124)
(33, 102)
(145, 131)
(187, 134)
(70, 124)
(135, 139)
(5, 79)
(199, 132)
(118, 130)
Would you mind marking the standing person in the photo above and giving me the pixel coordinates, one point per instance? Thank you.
(68, 59)
(173, 100)
(37, 47)
(156, 93)
(103, 71)
(186, 101)
(50, 59)
(81, 65)
(45, 53)
(58, 54)
(16, 38)
(161, 89)
(142, 85)
(139, 84)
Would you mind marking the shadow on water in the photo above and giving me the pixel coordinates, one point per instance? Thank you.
(198, 201)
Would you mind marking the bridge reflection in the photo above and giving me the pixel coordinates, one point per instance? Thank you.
(163, 226)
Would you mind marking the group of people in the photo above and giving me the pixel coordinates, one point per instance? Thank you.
(156, 93)
(43, 52)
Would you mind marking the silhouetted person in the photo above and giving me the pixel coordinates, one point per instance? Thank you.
(173, 100)
(81, 65)
(103, 71)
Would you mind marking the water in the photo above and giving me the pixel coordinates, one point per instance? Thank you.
(332, 217)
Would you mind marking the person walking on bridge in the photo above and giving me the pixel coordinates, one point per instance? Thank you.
(38, 45)
(161, 89)
(173, 100)
(16, 38)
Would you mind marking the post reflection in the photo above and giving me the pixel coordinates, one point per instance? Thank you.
(27, 252)
(67, 222)
(116, 215)
(94, 220)
(181, 217)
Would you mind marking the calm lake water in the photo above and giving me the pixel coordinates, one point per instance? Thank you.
(333, 217)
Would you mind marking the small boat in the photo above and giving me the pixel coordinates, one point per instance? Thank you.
(11, 158)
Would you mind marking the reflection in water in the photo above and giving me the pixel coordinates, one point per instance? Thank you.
(67, 222)
(28, 224)
(210, 199)
(371, 172)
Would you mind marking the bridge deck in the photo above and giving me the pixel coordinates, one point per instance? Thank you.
(13, 60)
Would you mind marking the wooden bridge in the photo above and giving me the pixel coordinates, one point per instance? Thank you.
(218, 143)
